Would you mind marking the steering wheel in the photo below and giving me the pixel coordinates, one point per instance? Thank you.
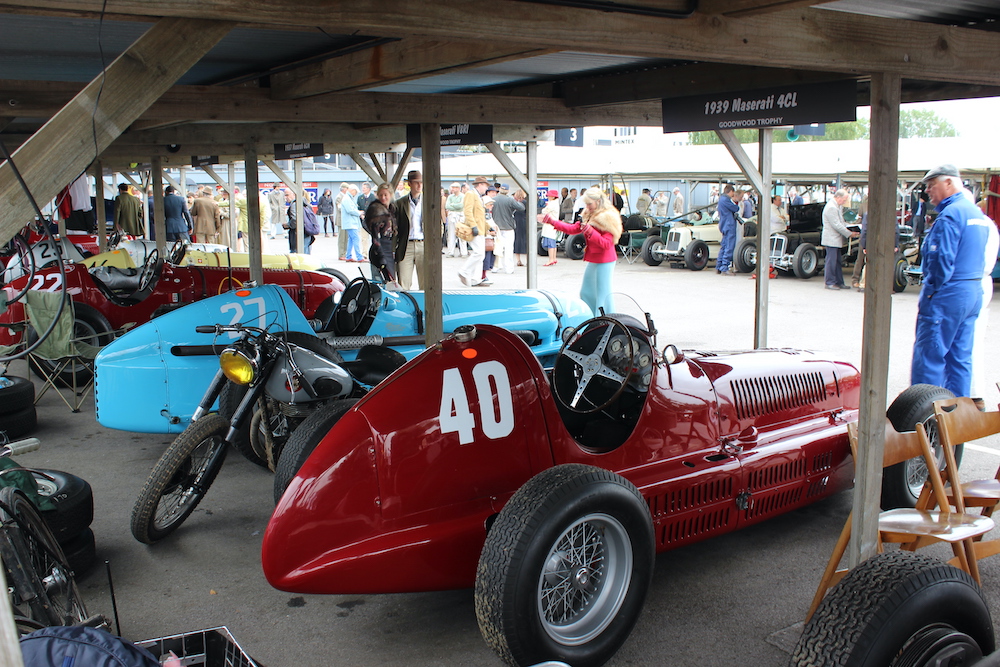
(357, 308)
(176, 253)
(148, 270)
(594, 365)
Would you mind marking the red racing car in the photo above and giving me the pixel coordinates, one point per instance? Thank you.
(108, 299)
(550, 491)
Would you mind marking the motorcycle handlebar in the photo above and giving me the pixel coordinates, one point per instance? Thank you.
(20, 447)
(206, 328)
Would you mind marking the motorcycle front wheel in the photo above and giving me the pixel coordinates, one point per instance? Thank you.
(180, 479)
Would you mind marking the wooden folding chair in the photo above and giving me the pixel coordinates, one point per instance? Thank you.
(911, 527)
(959, 421)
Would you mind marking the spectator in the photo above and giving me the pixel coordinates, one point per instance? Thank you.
(310, 228)
(566, 207)
(325, 209)
(128, 212)
(521, 226)
(350, 222)
(475, 217)
(504, 207)
(779, 219)
(337, 212)
(276, 206)
(410, 233)
(678, 207)
(178, 218)
(453, 215)
(643, 203)
(834, 232)
(207, 217)
(380, 222)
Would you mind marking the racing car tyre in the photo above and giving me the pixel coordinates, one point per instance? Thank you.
(650, 250)
(19, 423)
(339, 275)
(805, 261)
(90, 326)
(232, 394)
(696, 255)
(575, 243)
(531, 555)
(898, 609)
(749, 228)
(901, 483)
(304, 439)
(73, 499)
(81, 552)
(18, 396)
(180, 479)
(899, 275)
(745, 257)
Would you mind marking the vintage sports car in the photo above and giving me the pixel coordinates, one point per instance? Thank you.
(173, 364)
(550, 490)
(108, 300)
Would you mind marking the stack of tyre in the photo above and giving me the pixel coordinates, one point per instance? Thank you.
(17, 407)
(72, 497)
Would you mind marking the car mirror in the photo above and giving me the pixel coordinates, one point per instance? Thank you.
(671, 355)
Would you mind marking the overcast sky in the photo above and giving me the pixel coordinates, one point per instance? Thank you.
(970, 117)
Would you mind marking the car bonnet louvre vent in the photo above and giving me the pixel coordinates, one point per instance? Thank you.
(822, 462)
(754, 397)
(693, 497)
(774, 503)
(693, 526)
(776, 475)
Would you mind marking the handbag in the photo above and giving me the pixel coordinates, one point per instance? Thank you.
(490, 244)
(463, 231)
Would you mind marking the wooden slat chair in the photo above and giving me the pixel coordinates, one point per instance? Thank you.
(960, 420)
(907, 526)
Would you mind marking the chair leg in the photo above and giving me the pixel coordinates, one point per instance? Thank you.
(831, 571)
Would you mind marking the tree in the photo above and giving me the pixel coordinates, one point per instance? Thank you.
(923, 123)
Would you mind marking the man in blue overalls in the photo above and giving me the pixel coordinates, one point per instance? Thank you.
(727, 225)
(952, 293)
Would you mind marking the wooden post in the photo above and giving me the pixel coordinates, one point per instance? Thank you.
(300, 204)
(430, 138)
(102, 223)
(882, 164)
(159, 217)
(234, 222)
(254, 238)
(80, 131)
(530, 213)
(763, 237)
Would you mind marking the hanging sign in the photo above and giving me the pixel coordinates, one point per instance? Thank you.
(461, 134)
(831, 102)
(571, 136)
(204, 160)
(296, 151)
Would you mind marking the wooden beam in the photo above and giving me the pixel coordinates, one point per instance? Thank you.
(879, 268)
(684, 80)
(807, 38)
(373, 173)
(430, 138)
(397, 176)
(255, 239)
(531, 213)
(737, 8)
(765, 154)
(284, 178)
(394, 62)
(746, 165)
(77, 134)
(509, 166)
(378, 167)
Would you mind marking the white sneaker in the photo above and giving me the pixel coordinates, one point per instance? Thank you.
(464, 278)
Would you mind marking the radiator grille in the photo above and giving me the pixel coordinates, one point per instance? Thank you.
(765, 478)
(673, 241)
(760, 396)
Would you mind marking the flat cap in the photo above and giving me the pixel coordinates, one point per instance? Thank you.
(942, 170)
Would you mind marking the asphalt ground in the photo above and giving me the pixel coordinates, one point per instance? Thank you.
(733, 600)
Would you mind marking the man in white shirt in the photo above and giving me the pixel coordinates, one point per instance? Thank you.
(410, 233)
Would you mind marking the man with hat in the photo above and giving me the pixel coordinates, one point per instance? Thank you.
(952, 262)
(471, 272)
(410, 233)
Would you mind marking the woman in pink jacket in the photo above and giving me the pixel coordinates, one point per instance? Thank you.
(602, 227)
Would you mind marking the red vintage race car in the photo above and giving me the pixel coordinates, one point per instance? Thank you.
(551, 490)
(107, 299)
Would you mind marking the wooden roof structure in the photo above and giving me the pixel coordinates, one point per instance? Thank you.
(233, 77)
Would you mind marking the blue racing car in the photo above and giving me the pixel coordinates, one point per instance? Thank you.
(150, 379)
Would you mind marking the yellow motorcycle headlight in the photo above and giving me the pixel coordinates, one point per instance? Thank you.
(239, 368)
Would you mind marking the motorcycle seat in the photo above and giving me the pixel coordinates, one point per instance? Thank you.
(374, 364)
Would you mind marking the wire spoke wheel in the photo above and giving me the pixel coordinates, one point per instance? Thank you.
(584, 579)
(180, 479)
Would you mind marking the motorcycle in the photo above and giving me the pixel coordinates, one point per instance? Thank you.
(269, 382)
